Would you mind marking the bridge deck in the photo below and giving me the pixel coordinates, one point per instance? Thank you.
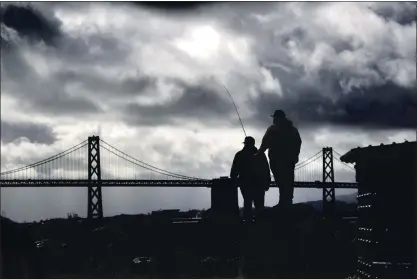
(16, 183)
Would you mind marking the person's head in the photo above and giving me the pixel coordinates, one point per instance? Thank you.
(278, 116)
(249, 142)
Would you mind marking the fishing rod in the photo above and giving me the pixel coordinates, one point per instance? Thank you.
(231, 98)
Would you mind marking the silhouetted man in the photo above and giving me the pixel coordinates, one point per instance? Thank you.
(284, 144)
(253, 177)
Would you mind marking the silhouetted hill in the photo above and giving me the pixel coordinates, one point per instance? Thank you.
(350, 198)
(344, 203)
(146, 243)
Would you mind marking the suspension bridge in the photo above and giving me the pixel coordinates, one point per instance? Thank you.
(94, 164)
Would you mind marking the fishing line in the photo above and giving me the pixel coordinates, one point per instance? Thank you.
(231, 98)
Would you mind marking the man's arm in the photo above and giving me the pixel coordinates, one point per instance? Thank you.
(266, 171)
(299, 140)
(234, 172)
(295, 144)
(299, 143)
(265, 141)
(266, 168)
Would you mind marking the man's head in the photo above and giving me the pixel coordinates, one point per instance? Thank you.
(249, 141)
(278, 116)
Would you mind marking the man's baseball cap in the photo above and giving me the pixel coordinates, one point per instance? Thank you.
(249, 141)
(278, 114)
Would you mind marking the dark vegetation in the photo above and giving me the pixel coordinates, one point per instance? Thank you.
(299, 242)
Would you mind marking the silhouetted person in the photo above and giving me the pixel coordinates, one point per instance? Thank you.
(284, 144)
(252, 176)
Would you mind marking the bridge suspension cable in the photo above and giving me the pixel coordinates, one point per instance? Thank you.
(343, 163)
(308, 161)
(139, 165)
(310, 169)
(145, 165)
(49, 159)
(338, 159)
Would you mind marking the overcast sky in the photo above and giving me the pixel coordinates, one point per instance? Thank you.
(149, 82)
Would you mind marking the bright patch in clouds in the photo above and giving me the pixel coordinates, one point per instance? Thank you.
(203, 42)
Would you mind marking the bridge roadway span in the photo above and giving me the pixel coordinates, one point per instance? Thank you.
(17, 183)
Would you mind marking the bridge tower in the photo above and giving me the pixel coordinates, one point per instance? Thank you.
(329, 195)
(95, 202)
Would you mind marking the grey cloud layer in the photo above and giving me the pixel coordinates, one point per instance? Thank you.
(403, 14)
(196, 103)
(387, 106)
(350, 81)
(35, 133)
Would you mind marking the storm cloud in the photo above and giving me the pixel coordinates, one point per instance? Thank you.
(386, 106)
(349, 77)
(30, 23)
